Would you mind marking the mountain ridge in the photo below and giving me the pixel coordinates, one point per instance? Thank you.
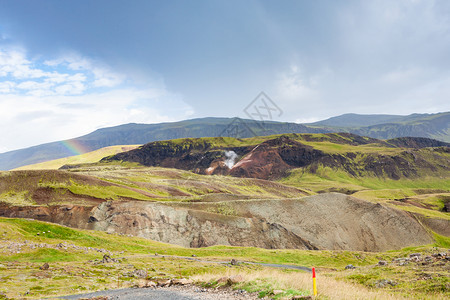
(436, 126)
(273, 157)
(133, 133)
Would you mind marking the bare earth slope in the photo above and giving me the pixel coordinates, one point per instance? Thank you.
(273, 157)
(326, 221)
(337, 221)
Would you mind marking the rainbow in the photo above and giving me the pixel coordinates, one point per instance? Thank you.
(75, 147)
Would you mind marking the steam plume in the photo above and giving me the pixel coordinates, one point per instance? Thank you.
(230, 158)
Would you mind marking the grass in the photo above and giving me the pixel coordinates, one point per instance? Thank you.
(90, 157)
(331, 143)
(73, 269)
(326, 176)
(441, 241)
(298, 283)
(423, 211)
(44, 256)
(19, 272)
(118, 182)
(97, 191)
(157, 181)
(21, 198)
(425, 195)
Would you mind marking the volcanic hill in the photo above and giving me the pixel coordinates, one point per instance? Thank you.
(274, 156)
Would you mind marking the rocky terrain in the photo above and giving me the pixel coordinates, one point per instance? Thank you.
(187, 208)
(328, 221)
(435, 126)
(273, 157)
(432, 126)
(165, 202)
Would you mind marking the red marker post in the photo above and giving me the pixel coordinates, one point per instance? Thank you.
(314, 282)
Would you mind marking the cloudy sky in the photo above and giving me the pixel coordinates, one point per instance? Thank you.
(70, 67)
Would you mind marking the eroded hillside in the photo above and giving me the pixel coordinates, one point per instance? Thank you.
(193, 210)
(211, 191)
(273, 157)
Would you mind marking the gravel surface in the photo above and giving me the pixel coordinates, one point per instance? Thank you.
(281, 266)
(168, 293)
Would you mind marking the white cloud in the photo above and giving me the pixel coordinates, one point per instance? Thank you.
(297, 94)
(103, 75)
(292, 87)
(401, 76)
(7, 87)
(60, 99)
(33, 85)
(307, 120)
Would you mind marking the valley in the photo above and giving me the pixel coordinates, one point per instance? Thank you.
(306, 198)
(232, 150)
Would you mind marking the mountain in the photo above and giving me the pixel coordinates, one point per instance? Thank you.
(178, 194)
(131, 134)
(356, 120)
(435, 126)
(274, 157)
(90, 157)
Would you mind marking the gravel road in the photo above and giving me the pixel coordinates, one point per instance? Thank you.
(168, 293)
(281, 266)
(182, 292)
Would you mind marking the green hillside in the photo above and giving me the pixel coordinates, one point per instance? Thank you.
(134, 134)
(76, 264)
(89, 157)
(435, 126)
(359, 166)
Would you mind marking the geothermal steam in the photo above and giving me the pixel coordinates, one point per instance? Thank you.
(230, 158)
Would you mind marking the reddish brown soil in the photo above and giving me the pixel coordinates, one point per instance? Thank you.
(68, 215)
(272, 158)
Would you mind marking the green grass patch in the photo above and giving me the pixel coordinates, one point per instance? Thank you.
(441, 241)
(326, 177)
(110, 192)
(21, 198)
(45, 255)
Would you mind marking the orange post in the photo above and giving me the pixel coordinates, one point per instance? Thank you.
(314, 281)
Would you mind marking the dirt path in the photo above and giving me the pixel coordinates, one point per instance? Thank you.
(190, 292)
(282, 266)
(167, 293)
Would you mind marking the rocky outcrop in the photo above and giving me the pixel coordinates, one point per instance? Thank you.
(416, 142)
(327, 221)
(337, 221)
(272, 159)
(192, 228)
(68, 215)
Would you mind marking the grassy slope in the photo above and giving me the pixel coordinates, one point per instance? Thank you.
(90, 157)
(73, 270)
(421, 191)
(388, 126)
(139, 183)
(332, 143)
(70, 272)
(144, 184)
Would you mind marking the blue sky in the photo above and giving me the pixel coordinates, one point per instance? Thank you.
(70, 67)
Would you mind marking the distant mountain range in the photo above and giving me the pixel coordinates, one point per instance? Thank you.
(133, 134)
(436, 126)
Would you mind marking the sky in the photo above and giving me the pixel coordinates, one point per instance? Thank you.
(68, 68)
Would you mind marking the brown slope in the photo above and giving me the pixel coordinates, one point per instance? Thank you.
(327, 221)
(272, 158)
